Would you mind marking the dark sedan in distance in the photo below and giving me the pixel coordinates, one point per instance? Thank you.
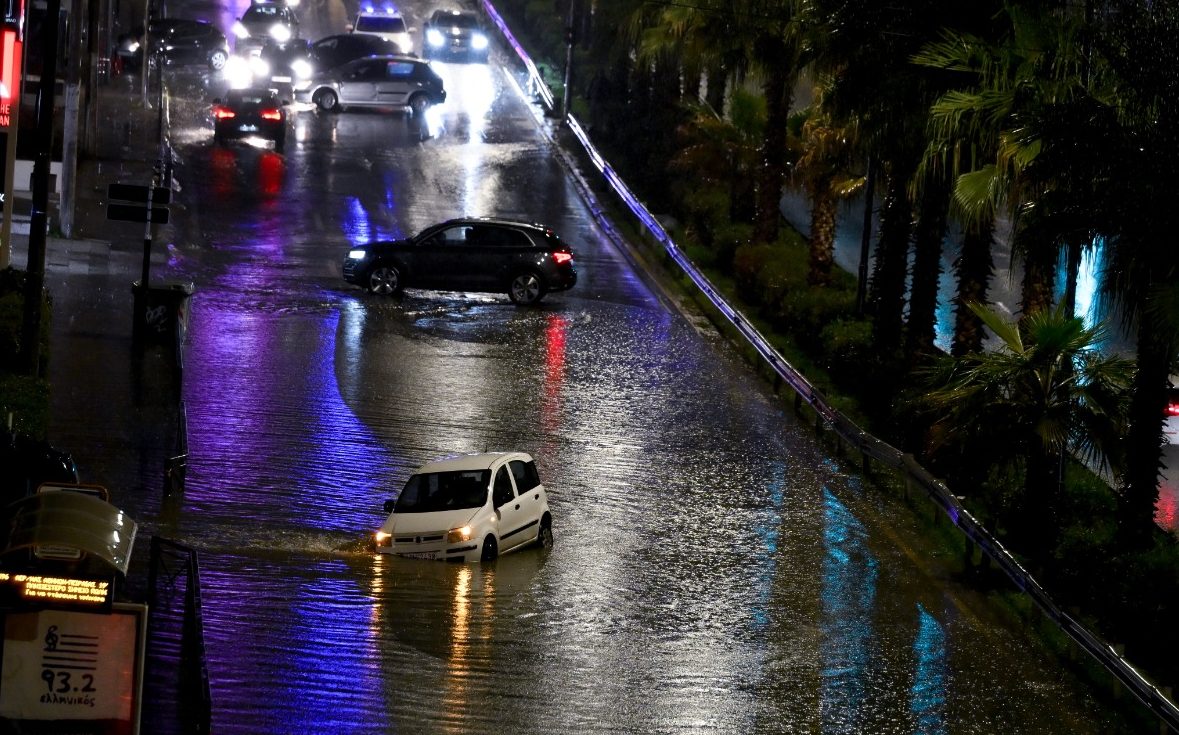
(484, 254)
(250, 113)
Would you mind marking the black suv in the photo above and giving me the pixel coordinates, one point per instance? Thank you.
(474, 254)
(332, 51)
(177, 42)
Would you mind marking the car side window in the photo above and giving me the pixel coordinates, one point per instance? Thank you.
(452, 237)
(525, 474)
(399, 69)
(503, 491)
(502, 237)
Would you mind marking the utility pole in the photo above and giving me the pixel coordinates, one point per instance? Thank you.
(39, 216)
(569, 40)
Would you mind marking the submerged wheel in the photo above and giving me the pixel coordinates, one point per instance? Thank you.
(418, 104)
(544, 537)
(385, 280)
(217, 60)
(526, 288)
(490, 549)
(326, 100)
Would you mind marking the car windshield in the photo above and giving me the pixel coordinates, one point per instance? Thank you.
(439, 491)
(380, 24)
(457, 21)
(260, 13)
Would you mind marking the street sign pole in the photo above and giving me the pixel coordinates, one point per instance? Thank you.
(147, 239)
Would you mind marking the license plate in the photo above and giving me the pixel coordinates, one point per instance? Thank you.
(421, 555)
(249, 128)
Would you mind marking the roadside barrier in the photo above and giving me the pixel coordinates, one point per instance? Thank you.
(851, 435)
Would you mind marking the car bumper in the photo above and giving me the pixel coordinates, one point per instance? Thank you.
(409, 548)
(247, 130)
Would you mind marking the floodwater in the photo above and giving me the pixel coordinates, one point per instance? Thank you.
(716, 569)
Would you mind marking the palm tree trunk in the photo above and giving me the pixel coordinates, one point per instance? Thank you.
(1145, 438)
(927, 267)
(778, 90)
(892, 257)
(1039, 276)
(974, 267)
(822, 252)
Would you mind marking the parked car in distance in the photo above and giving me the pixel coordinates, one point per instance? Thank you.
(176, 42)
(263, 20)
(473, 507)
(455, 33)
(387, 24)
(253, 112)
(482, 254)
(384, 82)
(331, 51)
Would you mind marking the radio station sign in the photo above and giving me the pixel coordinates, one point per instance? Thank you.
(83, 667)
(36, 588)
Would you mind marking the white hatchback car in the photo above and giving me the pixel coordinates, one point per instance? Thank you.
(471, 507)
(387, 24)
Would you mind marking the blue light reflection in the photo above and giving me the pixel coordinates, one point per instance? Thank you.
(929, 677)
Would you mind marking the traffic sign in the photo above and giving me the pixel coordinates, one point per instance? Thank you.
(137, 213)
(137, 193)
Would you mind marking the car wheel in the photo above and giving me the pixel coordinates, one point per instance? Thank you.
(544, 537)
(384, 280)
(526, 288)
(418, 104)
(490, 549)
(217, 60)
(326, 100)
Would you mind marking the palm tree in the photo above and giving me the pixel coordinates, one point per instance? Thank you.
(1045, 393)
(823, 169)
(752, 40)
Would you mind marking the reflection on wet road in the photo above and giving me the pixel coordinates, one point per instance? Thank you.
(715, 568)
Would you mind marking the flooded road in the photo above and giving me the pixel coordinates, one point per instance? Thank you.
(715, 569)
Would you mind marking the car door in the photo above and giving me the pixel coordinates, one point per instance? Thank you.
(357, 82)
(443, 258)
(514, 525)
(530, 494)
(396, 83)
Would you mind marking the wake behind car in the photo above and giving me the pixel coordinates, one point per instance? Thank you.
(250, 113)
(472, 507)
(384, 82)
(455, 33)
(473, 254)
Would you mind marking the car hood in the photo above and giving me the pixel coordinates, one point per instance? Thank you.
(444, 520)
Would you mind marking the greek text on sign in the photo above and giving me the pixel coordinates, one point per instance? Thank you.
(36, 588)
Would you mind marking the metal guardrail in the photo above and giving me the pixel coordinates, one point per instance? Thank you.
(848, 432)
(196, 698)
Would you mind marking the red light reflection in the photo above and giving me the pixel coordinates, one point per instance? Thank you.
(554, 371)
(270, 173)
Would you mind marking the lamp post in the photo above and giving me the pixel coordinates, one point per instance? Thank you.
(568, 61)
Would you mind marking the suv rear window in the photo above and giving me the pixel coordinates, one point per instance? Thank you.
(380, 24)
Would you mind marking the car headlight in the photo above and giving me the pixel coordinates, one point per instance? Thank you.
(280, 33)
(434, 37)
(259, 66)
(356, 254)
(478, 42)
(455, 535)
(381, 538)
(240, 30)
(133, 47)
(301, 68)
(237, 72)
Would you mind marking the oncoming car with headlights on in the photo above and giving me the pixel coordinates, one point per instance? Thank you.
(261, 21)
(455, 34)
(472, 507)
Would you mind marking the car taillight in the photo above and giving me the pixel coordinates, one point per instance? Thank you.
(272, 114)
(223, 113)
(561, 258)
(1173, 409)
